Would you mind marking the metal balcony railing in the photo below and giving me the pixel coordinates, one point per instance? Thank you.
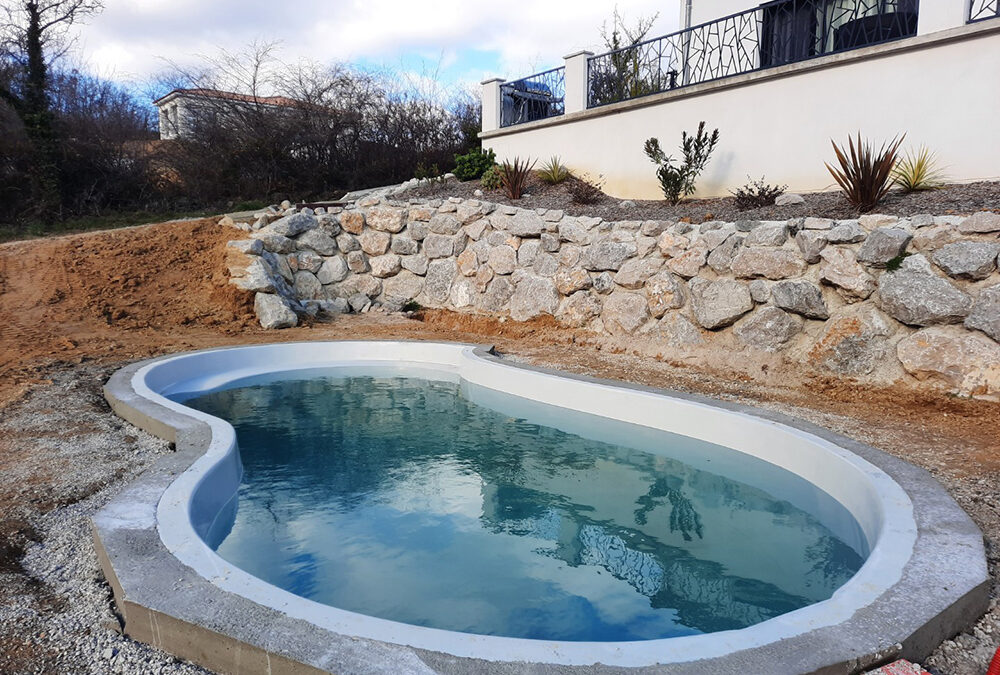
(535, 97)
(981, 10)
(774, 34)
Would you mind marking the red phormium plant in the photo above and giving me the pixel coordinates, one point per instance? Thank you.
(865, 175)
(513, 176)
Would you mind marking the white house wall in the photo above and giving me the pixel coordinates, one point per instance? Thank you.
(944, 94)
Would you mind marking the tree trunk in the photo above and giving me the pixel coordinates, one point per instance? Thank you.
(37, 116)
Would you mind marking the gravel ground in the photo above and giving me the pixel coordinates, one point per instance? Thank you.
(63, 455)
(953, 199)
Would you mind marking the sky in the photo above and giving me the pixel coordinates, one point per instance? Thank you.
(458, 42)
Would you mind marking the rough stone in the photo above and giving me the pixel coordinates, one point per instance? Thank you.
(532, 297)
(968, 259)
(384, 266)
(671, 244)
(607, 254)
(418, 230)
(318, 241)
(801, 297)
(817, 224)
(247, 246)
(721, 258)
(307, 260)
(789, 199)
(811, 243)
(769, 234)
(307, 286)
(550, 242)
(840, 269)
(983, 221)
(571, 230)
(760, 291)
(677, 331)
(334, 269)
(498, 294)
(420, 213)
(256, 276)
(503, 259)
(484, 275)
(275, 243)
(985, 314)
(359, 302)
(624, 313)
(870, 221)
(654, 228)
(527, 252)
(476, 229)
(440, 274)
(719, 303)
(714, 238)
(769, 328)
(463, 294)
(967, 362)
(603, 282)
(855, 342)
(415, 263)
(526, 224)
(374, 242)
(386, 219)
(688, 263)
(290, 226)
(545, 265)
(439, 246)
(467, 262)
(634, 273)
(400, 289)
(402, 245)
(921, 299)
(934, 237)
(444, 223)
(847, 232)
(273, 311)
(357, 262)
(883, 245)
(347, 242)
(578, 309)
(771, 263)
(663, 292)
(569, 280)
(353, 221)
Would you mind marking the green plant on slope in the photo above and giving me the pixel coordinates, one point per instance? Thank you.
(865, 174)
(491, 179)
(918, 170)
(756, 194)
(514, 176)
(474, 164)
(553, 172)
(678, 181)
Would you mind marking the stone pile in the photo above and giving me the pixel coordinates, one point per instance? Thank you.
(876, 297)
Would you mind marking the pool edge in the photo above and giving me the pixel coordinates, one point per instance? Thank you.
(132, 555)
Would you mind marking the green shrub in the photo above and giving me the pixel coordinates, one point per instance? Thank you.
(756, 194)
(678, 181)
(553, 172)
(865, 174)
(474, 164)
(491, 179)
(917, 171)
(422, 171)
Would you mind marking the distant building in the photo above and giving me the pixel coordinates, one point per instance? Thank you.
(180, 108)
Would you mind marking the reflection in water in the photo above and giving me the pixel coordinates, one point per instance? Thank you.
(398, 497)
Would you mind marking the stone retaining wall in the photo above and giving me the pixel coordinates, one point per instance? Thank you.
(877, 298)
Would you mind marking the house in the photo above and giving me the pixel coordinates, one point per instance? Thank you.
(779, 80)
(180, 109)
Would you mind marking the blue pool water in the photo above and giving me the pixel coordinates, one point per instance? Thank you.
(408, 496)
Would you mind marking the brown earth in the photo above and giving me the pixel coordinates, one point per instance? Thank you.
(114, 297)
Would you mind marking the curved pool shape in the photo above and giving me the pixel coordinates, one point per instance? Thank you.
(653, 549)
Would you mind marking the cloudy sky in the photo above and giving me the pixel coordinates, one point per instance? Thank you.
(461, 41)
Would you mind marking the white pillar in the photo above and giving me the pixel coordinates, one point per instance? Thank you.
(491, 103)
(941, 15)
(577, 87)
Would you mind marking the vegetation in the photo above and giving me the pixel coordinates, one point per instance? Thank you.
(586, 190)
(553, 172)
(679, 181)
(917, 171)
(865, 174)
(422, 171)
(626, 74)
(514, 176)
(756, 194)
(895, 263)
(474, 164)
(491, 179)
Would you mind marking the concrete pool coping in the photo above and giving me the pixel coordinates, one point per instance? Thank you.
(943, 586)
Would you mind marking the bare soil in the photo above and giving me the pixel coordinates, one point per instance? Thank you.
(78, 305)
(950, 200)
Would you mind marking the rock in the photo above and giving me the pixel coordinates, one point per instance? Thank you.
(306, 260)
(318, 241)
(916, 263)
(983, 221)
(247, 246)
(418, 230)
(870, 221)
(883, 245)
(985, 314)
(503, 259)
(476, 229)
(468, 263)
(840, 269)
(854, 343)
(402, 245)
(789, 199)
(968, 259)
(770, 234)
(353, 221)
(307, 286)
(663, 292)
(720, 303)
(934, 237)
(384, 266)
(549, 242)
(760, 291)
(607, 254)
(333, 270)
(357, 262)
(275, 243)
(677, 331)
(921, 220)
(439, 246)
(811, 243)
(627, 204)
(571, 280)
(478, 193)
(688, 263)
(386, 219)
(374, 242)
(554, 216)
(463, 294)
(624, 313)
(633, 273)
(527, 252)
(771, 263)
(671, 244)
(256, 276)
(715, 238)
(921, 299)
(847, 232)
(347, 242)
(746, 225)
(415, 263)
(420, 213)
(768, 328)
(498, 294)
(532, 297)
(571, 230)
(483, 277)
(290, 226)
(279, 264)
(578, 309)
(359, 302)
(967, 362)
(440, 274)
(654, 228)
(817, 224)
(801, 297)
(273, 311)
(721, 258)
(444, 223)
(526, 224)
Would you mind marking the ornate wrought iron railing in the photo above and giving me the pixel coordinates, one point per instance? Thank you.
(774, 34)
(980, 10)
(535, 97)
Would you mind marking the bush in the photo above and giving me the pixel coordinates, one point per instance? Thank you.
(918, 171)
(553, 172)
(422, 171)
(866, 175)
(756, 194)
(514, 176)
(585, 190)
(678, 181)
(491, 179)
(474, 164)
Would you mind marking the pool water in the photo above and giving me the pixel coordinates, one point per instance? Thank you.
(409, 495)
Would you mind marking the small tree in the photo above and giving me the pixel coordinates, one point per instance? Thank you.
(678, 181)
